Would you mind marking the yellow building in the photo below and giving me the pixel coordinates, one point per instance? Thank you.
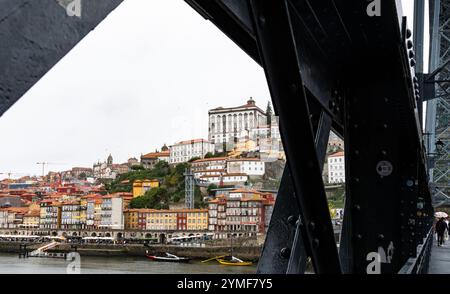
(178, 219)
(141, 186)
(197, 219)
(83, 212)
(131, 219)
(31, 219)
(97, 212)
(166, 220)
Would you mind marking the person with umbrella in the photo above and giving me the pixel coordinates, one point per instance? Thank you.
(441, 227)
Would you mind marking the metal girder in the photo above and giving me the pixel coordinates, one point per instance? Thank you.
(383, 166)
(284, 249)
(359, 71)
(232, 17)
(438, 112)
(282, 67)
(35, 35)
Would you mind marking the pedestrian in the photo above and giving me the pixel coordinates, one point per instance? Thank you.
(441, 227)
(447, 233)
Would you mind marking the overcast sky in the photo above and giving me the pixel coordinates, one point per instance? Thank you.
(146, 76)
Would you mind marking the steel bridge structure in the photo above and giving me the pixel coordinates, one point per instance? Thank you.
(438, 102)
(346, 66)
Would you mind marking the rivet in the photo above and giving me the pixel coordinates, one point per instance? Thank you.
(312, 226)
(381, 236)
(292, 219)
(285, 252)
(409, 44)
(408, 33)
(315, 243)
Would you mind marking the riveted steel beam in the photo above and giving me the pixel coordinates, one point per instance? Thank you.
(35, 35)
(274, 31)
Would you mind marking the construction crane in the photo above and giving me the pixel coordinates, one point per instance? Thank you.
(46, 163)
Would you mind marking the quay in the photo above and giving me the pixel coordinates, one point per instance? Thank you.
(194, 252)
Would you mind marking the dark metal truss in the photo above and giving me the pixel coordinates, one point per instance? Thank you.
(329, 65)
(35, 35)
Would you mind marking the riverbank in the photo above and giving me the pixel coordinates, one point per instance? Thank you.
(244, 252)
(10, 263)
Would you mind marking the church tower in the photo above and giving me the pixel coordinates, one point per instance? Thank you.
(109, 160)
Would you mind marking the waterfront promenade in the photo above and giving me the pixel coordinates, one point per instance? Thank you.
(440, 259)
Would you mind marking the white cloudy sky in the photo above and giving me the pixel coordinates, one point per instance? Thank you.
(139, 80)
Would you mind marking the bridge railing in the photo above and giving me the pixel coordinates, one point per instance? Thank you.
(419, 264)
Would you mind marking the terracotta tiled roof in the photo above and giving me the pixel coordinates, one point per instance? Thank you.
(244, 159)
(154, 155)
(148, 210)
(247, 105)
(224, 175)
(209, 170)
(191, 141)
(337, 154)
(209, 159)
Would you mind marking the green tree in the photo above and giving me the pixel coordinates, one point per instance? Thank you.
(82, 176)
(157, 198)
(137, 167)
(210, 189)
(269, 113)
(194, 159)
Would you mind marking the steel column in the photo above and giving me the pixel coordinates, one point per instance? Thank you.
(279, 56)
(35, 35)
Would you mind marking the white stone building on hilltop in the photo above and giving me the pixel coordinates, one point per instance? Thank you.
(336, 167)
(227, 125)
(249, 166)
(185, 150)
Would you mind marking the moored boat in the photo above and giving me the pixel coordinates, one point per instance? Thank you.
(234, 261)
(166, 257)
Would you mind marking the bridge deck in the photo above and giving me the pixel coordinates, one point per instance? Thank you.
(440, 259)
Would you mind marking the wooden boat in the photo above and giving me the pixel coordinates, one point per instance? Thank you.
(234, 261)
(166, 257)
(230, 259)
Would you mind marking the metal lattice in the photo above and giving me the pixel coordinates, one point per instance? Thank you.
(438, 109)
(189, 189)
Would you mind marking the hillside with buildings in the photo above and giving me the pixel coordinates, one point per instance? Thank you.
(224, 185)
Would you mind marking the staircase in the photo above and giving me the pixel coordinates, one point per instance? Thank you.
(40, 252)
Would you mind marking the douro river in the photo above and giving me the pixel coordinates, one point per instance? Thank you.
(12, 264)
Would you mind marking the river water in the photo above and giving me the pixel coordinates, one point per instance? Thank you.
(12, 264)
